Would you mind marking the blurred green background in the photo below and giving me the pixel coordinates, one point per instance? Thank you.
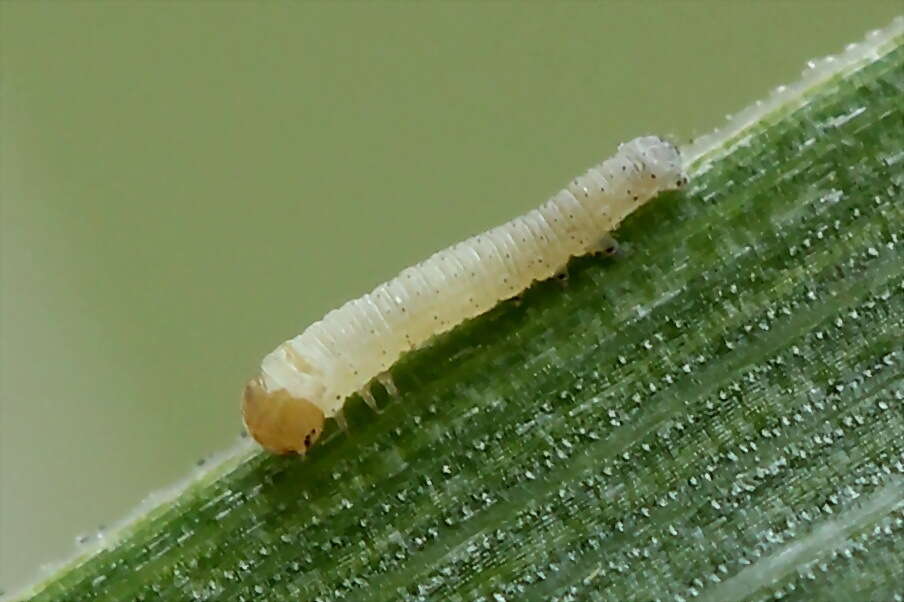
(184, 185)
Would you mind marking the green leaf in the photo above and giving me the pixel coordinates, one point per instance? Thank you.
(715, 412)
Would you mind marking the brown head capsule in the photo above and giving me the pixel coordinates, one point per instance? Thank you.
(281, 423)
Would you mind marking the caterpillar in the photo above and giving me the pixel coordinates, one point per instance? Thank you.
(306, 380)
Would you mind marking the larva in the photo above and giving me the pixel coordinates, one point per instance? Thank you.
(307, 379)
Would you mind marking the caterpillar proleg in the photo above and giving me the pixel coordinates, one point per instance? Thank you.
(307, 379)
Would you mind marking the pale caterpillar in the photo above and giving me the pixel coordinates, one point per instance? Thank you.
(307, 379)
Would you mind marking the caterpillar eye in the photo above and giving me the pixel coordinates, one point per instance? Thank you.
(282, 424)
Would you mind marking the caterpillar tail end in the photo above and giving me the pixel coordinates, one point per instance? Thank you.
(282, 424)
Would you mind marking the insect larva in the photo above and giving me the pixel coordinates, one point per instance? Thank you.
(307, 379)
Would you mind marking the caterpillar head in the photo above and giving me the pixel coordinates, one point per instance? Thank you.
(281, 423)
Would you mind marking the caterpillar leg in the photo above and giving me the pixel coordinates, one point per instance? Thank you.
(385, 379)
(368, 398)
(562, 276)
(341, 420)
(606, 246)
